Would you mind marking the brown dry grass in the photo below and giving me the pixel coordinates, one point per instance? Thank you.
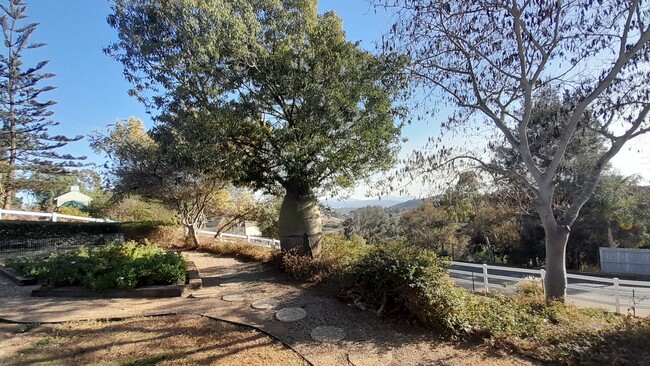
(168, 340)
(241, 251)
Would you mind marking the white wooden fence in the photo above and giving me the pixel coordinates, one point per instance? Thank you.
(610, 293)
(52, 216)
(253, 240)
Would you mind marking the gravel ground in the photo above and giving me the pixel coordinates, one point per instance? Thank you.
(368, 340)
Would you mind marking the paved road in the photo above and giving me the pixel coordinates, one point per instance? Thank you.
(592, 292)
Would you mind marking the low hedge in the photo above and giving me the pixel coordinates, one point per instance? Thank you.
(114, 266)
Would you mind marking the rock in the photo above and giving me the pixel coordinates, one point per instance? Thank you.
(265, 304)
(327, 334)
(239, 296)
(290, 314)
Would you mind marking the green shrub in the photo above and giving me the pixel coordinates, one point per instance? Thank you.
(72, 211)
(114, 266)
(397, 277)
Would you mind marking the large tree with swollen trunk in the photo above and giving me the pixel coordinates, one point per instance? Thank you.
(271, 84)
(492, 58)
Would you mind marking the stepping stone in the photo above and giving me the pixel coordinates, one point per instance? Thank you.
(240, 296)
(327, 334)
(370, 356)
(290, 314)
(265, 304)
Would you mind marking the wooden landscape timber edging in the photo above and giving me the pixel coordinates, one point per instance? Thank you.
(194, 282)
(136, 293)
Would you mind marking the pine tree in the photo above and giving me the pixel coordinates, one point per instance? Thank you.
(26, 147)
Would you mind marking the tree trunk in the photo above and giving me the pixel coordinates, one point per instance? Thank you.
(490, 249)
(556, 281)
(191, 232)
(8, 195)
(300, 224)
(610, 236)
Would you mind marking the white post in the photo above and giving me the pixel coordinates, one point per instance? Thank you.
(248, 239)
(53, 216)
(0, 214)
(542, 273)
(220, 235)
(485, 278)
(617, 297)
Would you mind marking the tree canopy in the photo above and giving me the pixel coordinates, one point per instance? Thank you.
(491, 59)
(272, 85)
(151, 164)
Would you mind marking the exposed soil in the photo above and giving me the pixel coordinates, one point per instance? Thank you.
(368, 340)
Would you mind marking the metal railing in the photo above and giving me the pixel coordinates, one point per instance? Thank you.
(53, 216)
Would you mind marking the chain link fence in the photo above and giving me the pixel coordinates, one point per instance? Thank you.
(17, 247)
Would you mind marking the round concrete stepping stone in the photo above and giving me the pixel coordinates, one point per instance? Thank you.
(290, 314)
(327, 334)
(265, 304)
(370, 356)
(240, 296)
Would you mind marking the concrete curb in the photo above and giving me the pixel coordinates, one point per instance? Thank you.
(18, 279)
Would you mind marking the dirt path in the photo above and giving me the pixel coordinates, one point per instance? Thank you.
(368, 340)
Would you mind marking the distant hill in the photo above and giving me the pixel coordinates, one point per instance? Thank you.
(353, 204)
(411, 204)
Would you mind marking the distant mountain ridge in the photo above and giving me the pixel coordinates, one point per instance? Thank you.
(357, 203)
(397, 204)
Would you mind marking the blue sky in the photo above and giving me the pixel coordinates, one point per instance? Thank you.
(91, 90)
(92, 93)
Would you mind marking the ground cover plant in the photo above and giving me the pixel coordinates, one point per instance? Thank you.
(114, 266)
(168, 340)
(401, 281)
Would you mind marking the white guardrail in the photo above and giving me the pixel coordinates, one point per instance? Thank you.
(53, 216)
(610, 293)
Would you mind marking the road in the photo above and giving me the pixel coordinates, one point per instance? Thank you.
(583, 291)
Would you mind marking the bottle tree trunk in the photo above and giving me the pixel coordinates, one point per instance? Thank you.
(300, 225)
(190, 230)
(555, 281)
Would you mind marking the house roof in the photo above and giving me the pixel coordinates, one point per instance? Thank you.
(73, 196)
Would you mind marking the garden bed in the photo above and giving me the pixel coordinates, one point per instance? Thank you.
(194, 282)
(117, 270)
